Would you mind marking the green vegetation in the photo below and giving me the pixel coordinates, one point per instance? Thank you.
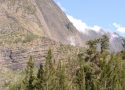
(88, 70)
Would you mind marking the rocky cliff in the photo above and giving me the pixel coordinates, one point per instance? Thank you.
(25, 26)
(38, 17)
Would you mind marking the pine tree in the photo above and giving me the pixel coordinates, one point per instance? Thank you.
(49, 63)
(40, 78)
(29, 78)
(61, 77)
(49, 71)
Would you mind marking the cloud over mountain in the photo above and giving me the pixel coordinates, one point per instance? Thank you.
(82, 26)
(119, 28)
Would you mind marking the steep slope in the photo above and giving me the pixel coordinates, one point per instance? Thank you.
(17, 21)
(26, 26)
(31, 27)
(60, 27)
(37, 17)
(24, 20)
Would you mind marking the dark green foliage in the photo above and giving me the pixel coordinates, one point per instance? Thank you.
(49, 63)
(49, 71)
(88, 70)
(61, 77)
(92, 44)
(29, 78)
(40, 78)
(104, 41)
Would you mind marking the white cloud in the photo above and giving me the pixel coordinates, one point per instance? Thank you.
(82, 26)
(79, 24)
(96, 28)
(119, 28)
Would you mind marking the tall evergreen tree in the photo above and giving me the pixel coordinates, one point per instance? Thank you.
(40, 78)
(29, 78)
(49, 62)
(61, 77)
(49, 71)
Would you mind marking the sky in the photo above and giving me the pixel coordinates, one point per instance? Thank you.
(106, 14)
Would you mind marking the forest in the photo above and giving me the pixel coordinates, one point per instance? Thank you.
(94, 68)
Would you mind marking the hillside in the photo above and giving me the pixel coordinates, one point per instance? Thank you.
(40, 49)
(41, 18)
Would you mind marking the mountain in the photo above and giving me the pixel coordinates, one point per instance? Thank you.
(41, 18)
(24, 20)
(115, 40)
(31, 27)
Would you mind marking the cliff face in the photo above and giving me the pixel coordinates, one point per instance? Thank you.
(60, 27)
(17, 20)
(27, 25)
(39, 17)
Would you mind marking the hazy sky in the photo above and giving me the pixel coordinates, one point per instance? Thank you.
(107, 14)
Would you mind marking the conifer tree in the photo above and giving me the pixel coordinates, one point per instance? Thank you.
(61, 77)
(29, 78)
(49, 71)
(49, 63)
(40, 78)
